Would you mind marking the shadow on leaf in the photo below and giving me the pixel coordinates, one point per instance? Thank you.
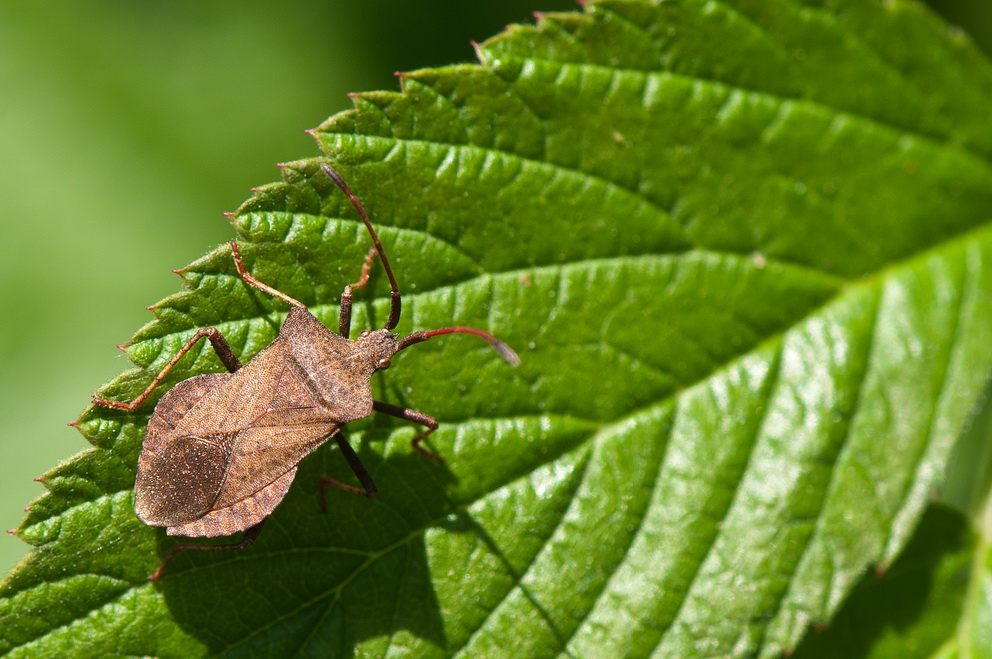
(922, 595)
(321, 583)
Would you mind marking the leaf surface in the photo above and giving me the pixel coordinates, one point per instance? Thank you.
(743, 249)
(935, 600)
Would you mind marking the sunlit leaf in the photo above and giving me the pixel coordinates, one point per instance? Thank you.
(743, 249)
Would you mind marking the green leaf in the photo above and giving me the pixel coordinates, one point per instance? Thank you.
(744, 251)
(922, 596)
(936, 600)
(975, 634)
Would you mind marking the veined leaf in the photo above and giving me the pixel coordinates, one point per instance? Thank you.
(923, 596)
(744, 251)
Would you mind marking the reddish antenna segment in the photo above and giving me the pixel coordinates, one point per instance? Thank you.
(505, 351)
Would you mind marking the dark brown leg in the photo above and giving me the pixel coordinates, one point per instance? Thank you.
(250, 536)
(368, 488)
(416, 417)
(344, 324)
(394, 295)
(220, 346)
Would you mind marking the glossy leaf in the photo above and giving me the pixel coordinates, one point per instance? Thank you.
(915, 607)
(743, 249)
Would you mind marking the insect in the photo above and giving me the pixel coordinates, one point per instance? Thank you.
(221, 449)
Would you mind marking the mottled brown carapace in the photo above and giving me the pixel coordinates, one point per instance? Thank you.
(221, 449)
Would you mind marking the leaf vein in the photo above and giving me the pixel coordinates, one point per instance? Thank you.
(697, 570)
(843, 444)
(519, 578)
(634, 537)
(931, 433)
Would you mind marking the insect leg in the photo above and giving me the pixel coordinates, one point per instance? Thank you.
(249, 537)
(251, 281)
(416, 417)
(220, 346)
(344, 325)
(368, 488)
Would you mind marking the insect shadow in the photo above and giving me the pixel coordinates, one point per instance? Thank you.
(221, 449)
(324, 585)
(356, 576)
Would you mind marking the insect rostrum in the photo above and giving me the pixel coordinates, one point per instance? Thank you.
(221, 449)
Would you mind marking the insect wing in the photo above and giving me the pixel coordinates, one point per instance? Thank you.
(241, 515)
(178, 478)
(218, 439)
(266, 418)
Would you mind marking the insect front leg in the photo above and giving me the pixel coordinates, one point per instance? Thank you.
(217, 341)
(368, 488)
(344, 322)
(250, 536)
(415, 417)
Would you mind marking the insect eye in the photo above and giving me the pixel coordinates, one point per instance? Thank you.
(383, 364)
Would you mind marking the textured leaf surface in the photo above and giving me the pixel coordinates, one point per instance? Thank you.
(744, 251)
(912, 610)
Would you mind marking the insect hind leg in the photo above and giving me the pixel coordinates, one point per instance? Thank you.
(368, 488)
(249, 538)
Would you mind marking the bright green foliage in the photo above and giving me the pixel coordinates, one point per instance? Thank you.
(743, 248)
(907, 610)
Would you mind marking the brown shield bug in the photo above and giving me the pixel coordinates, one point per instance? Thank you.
(221, 449)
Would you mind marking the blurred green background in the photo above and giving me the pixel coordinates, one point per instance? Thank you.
(126, 129)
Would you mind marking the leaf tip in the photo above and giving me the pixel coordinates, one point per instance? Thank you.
(479, 52)
(182, 275)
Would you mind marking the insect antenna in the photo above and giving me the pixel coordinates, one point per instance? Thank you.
(394, 302)
(505, 351)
